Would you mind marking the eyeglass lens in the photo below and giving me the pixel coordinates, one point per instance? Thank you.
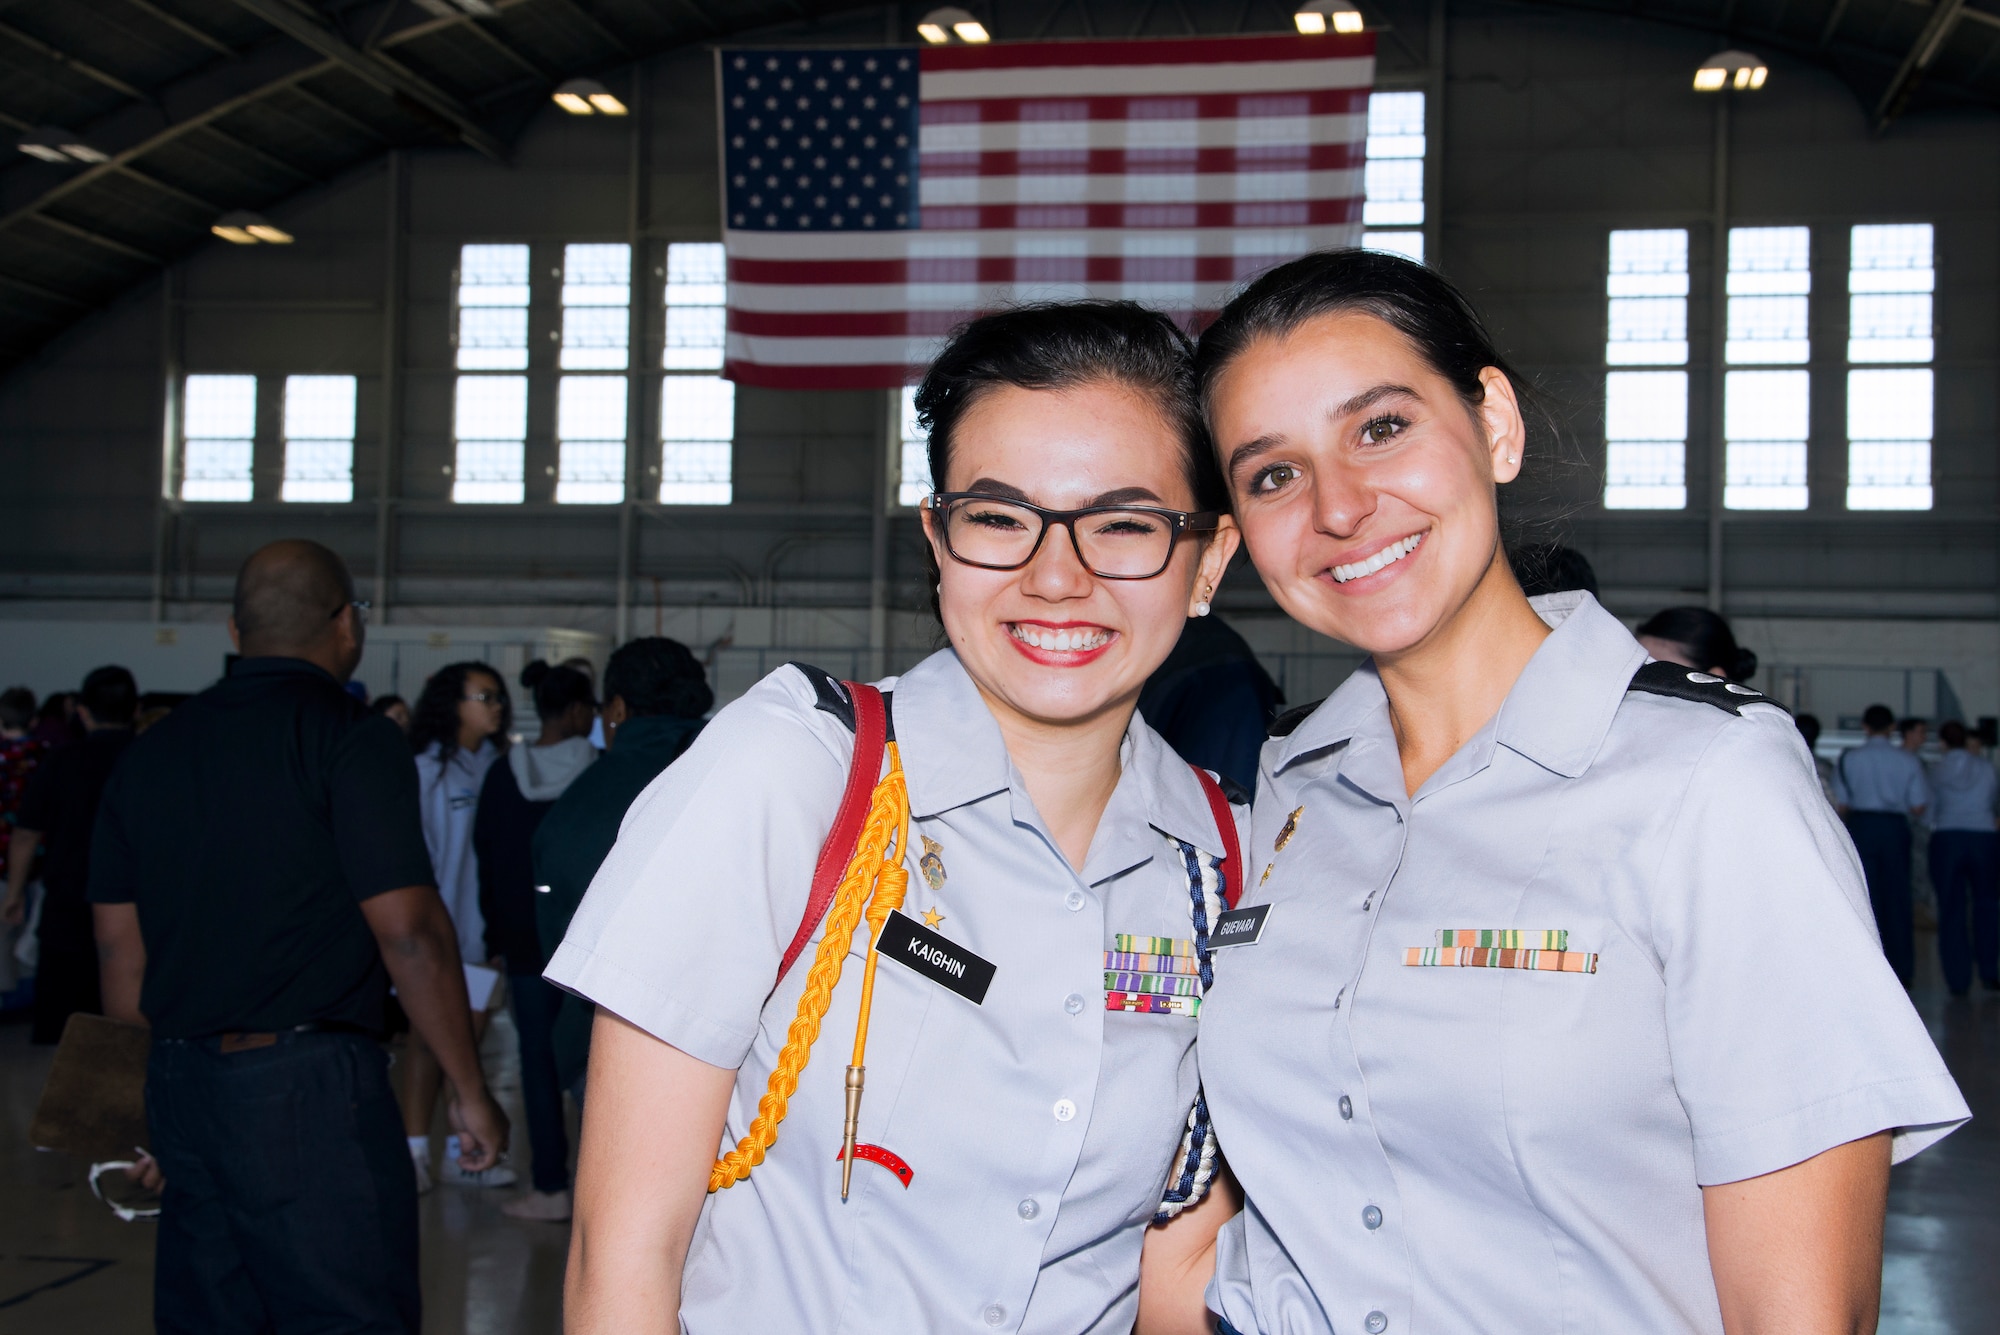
(1117, 544)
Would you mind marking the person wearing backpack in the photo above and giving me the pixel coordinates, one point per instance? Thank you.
(1040, 876)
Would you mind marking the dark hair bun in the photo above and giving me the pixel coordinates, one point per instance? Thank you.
(531, 675)
(1746, 665)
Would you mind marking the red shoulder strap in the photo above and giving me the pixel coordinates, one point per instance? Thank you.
(871, 730)
(1225, 825)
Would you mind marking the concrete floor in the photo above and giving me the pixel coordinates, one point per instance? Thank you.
(68, 1267)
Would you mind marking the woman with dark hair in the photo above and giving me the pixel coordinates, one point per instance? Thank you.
(1567, 1013)
(457, 729)
(1029, 1052)
(1696, 637)
(394, 708)
(517, 793)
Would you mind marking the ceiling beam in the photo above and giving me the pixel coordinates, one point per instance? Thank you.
(1981, 16)
(377, 69)
(267, 159)
(308, 96)
(1930, 40)
(183, 27)
(67, 61)
(97, 239)
(46, 294)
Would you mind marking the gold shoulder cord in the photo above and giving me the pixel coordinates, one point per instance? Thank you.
(875, 876)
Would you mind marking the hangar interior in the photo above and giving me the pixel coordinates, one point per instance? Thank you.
(477, 353)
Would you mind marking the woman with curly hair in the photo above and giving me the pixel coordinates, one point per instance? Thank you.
(458, 728)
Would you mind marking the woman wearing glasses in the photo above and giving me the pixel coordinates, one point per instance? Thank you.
(1017, 1134)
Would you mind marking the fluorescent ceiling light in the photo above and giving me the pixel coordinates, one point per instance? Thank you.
(1317, 16)
(52, 143)
(607, 104)
(940, 25)
(587, 97)
(242, 228)
(1730, 69)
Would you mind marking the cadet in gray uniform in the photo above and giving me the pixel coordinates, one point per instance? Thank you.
(1031, 1081)
(1566, 1012)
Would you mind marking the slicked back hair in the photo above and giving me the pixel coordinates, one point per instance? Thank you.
(1064, 345)
(1413, 299)
(288, 594)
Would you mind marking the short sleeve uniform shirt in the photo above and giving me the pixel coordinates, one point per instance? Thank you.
(1430, 1143)
(1038, 1127)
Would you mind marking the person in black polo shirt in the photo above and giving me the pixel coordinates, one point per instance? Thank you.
(259, 878)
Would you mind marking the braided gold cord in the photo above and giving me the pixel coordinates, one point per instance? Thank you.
(888, 818)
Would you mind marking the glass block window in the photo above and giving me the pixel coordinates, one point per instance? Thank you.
(1645, 412)
(597, 307)
(319, 438)
(697, 431)
(492, 308)
(915, 473)
(218, 437)
(590, 439)
(696, 294)
(1645, 430)
(1764, 413)
(1394, 175)
(1889, 439)
(1765, 421)
(490, 424)
(1890, 282)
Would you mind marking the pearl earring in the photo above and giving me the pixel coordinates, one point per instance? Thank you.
(1201, 608)
(1512, 460)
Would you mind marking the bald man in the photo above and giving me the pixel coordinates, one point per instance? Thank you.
(259, 878)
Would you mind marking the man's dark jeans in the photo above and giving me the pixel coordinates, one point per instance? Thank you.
(535, 999)
(290, 1202)
(1882, 838)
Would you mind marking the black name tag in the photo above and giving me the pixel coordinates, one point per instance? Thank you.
(1239, 927)
(925, 953)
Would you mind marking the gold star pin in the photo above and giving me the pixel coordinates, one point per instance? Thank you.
(932, 917)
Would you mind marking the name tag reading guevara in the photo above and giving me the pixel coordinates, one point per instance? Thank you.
(928, 955)
(1239, 927)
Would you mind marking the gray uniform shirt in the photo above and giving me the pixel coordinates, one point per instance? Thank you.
(1466, 1149)
(1038, 1127)
(1964, 787)
(1879, 775)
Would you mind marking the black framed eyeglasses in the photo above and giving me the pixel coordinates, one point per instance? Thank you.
(1111, 541)
(359, 605)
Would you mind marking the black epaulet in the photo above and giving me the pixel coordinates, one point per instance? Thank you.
(1287, 722)
(1238, 795)
(832, 695)
(1659, 678)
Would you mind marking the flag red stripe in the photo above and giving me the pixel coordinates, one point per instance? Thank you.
(846, 324)
(993, 269)
(1246, 105)
(1139, 217)
(1144, 161)
(886, 376)
(1146, 51)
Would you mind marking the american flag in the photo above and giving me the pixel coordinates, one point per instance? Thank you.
(874, 198)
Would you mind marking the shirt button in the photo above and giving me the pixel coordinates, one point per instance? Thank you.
(994, 1314)
(1074, 901)
(1027, 1209)
(1371, 1216)
(1073, 1003)
(1377, 1322)
(1346, 1108)
(1064, 1110)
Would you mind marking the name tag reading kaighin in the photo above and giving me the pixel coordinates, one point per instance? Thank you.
(928, 955)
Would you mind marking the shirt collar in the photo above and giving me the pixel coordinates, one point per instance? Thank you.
(279, 667)
(1557, 713)
(963, 758)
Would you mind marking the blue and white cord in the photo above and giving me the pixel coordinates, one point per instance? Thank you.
(1194, 1163)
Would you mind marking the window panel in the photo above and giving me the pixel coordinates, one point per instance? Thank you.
(590, 440)
(1408, 244)
(697, 428)
(1890, 425)
(218, 431)
(490, 423)
(1645, 412)
(1767, 329)
(493, 308)
(696, 294)
(1766, 419)
(319, 438)
(1394, 175)
(1769, 280)
(915, 475)
(596, 298)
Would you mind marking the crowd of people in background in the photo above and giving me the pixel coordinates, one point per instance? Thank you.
(515, 818)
